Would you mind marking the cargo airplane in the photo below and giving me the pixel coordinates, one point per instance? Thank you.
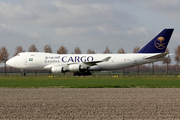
(83, 64)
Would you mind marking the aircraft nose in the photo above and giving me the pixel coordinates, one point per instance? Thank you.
(10, 62)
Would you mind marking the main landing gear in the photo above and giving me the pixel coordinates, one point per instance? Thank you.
(87, 73)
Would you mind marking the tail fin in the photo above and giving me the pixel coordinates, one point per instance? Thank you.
(159, 43)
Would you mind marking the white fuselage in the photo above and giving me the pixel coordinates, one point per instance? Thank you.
(45, 61)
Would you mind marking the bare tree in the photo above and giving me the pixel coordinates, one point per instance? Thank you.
(121, 51)
(4, 56)
(107, 51)
(47, 49)
(33, 48)
(136, 49)
(90, 51)
(77, 50)
(167, 61)
(177, 54)
(62, 50)
(18, 49)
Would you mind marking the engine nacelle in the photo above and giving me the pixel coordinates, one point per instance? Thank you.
(57, 69)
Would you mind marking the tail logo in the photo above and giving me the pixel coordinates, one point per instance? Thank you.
(159, 43)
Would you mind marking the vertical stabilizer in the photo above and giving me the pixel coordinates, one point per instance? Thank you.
(159, 43)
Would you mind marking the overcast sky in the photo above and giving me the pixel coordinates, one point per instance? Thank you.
(92, 24)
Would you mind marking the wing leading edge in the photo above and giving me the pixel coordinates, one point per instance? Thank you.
(94, 62)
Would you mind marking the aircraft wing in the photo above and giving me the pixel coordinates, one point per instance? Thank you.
(86, 63)
(52, 65)
(157, 56)
(94, 62)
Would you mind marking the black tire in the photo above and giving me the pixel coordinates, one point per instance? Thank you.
(23, 74)
(76, 74)
(88, 73)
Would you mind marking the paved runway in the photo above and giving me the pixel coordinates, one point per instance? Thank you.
(90, 103)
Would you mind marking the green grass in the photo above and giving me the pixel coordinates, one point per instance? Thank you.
(90, 82)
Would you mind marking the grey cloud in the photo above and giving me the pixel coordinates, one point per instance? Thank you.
(15, 12)
(85, 23)
(80, 2)
(52, 14)
(166, 7)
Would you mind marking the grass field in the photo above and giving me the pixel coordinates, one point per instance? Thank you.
(90, 82)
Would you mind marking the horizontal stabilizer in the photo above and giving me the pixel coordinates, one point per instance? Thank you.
(157, 56)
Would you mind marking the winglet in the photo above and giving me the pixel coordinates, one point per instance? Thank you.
(159, 43)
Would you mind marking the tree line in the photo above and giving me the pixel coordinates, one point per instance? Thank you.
(4, 55)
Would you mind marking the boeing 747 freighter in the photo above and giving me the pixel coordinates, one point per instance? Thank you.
(83, 64)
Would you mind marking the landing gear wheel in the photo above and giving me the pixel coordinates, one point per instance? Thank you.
(77, 74)
(88, 73)
(82, 73)
(23, 74)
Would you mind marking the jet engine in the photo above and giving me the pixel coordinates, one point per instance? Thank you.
(57, 69)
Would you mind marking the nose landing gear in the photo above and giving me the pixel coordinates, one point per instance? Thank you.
(23, 73)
